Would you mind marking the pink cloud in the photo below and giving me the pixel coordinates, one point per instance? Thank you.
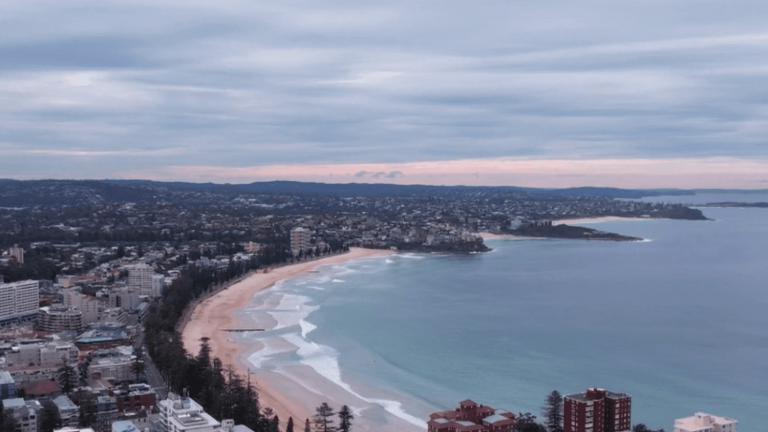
(627, 173)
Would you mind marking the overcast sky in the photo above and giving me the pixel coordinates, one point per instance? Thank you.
(535, 93)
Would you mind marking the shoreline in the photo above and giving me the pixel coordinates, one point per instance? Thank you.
(208, 318)
(598, 219)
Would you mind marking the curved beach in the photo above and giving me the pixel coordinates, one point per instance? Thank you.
(211, 317)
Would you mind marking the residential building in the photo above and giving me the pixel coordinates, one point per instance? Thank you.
(703, 422)
(88, 305)
(158, 285)
(40, 354)
(113, 315)
(73, 429)
(182, 414)
(111, 364)
(597, 410)
(59, 318)
(124, 426)
(19, 301)
(135, 398)
(126, 298)
(17, 253)
(471, 417)
(68, 411)
(8, 388)
(300, 240)
(103, 335)
(140, 278)
(25, 413)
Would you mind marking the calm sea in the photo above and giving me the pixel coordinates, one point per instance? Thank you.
(680, 322)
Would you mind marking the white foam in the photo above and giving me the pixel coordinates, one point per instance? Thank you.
(258, 358)
(291, 310)
(338, 281)
(324, 360)
(389, 261)
(316, 288)
(411, 256)
(306, 328)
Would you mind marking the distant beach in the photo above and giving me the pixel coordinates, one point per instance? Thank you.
(599, 219)
(211, 317)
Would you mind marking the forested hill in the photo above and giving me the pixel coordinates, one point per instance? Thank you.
(15, 193)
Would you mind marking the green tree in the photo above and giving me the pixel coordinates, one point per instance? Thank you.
(67, 377)
(137, 367)
(345, 419)
(526, 422)
(49, 417)
(7, 422)
(289, 427)
(553, 412)
(324, 418)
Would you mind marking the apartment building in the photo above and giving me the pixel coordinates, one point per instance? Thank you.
(300, 240)
(597, 410)
(19, 301)
(471, 417)
(703, 422)
(59, 318)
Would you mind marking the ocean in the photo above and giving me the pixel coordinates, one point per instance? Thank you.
(680, 322)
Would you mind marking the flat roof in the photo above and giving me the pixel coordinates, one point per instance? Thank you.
(13, 403)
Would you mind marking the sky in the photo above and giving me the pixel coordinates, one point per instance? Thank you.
(480, 92)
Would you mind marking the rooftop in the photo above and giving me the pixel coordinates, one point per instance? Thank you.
(124, 426)
(13, 403)
(701, 419)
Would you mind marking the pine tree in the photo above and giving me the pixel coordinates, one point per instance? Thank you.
(345, 419)
(67, 374)
(323, 418)
(553, 412)
(137, 367)
(289, 427)
(306, 426)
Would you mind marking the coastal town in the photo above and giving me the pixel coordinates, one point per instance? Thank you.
(101, 286)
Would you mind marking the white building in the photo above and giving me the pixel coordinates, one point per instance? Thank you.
(182, 414)
(68, 411)
(47, 355)
(59, 318)
(17, 252)
(703, 422)
(300, 240)
(19, 301)
(158, 285)
(88, 305)
(140, 278)
(113, 364)
(26, 413)
(124, 426)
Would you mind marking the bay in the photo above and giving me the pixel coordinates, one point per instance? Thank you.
(679, 322)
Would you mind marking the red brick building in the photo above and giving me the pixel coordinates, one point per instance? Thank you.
(597, 410)
(134, 398)
(471, 417)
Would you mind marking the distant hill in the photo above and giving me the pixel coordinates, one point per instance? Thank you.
(16, 193)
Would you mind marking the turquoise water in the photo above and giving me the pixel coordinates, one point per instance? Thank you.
(679, 322)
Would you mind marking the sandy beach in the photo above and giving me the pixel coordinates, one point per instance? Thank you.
(596, 220)
(210, 317)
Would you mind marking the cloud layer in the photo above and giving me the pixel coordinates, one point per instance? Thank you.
(95, 90)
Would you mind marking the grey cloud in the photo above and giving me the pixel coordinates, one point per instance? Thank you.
(248, 83)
